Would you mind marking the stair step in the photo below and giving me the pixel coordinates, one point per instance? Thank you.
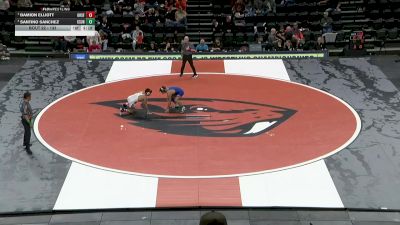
(202, 2)
(209, 6)
(196, 20)
(353, 17)
(199, 34)
(189, 29)
(200, 14)
(353, 12)
(347, 3)
(199, 24)
(198, 11)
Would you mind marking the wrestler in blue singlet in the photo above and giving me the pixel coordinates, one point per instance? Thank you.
(178, 91)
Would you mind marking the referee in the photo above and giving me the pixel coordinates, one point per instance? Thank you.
(26, 118)
(187, 49)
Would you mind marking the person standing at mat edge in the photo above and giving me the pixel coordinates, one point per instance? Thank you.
(26, 118)
(187, 50)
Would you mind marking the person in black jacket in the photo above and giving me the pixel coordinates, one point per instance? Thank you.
(26, 118)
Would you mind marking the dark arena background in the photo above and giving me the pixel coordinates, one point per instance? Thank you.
(293, 118)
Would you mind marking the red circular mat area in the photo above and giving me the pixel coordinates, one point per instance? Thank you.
(81, 128)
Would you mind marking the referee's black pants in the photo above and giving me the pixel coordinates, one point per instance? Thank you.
(187, 58)
(27, 132)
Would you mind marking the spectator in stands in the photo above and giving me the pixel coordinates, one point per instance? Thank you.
(71, 42)
(260, 7)
(4, 53)
(137, 38)
(129, 2)
(249, 9)
(24, 4)
(260, 34)
(169, 47)
(298, 35)
(107, 11)
(104, 40)
(260, 39)
(287, 2)
(76, 5)
(170, 18)
(274, 43)
(94, 47)
(289, 38)
(118, 8)
(65, 3)
(126, 8)
(244, 48)
(153, 47)
(239, 6)
(168, 5)
(139, 9)
(228, 24)
(357, 40)
(280, 34)
(137, 21)
(217, 46)
(126, 33)
(326, 23)
(4, 6)
(151, 16)
(151, 4)
(239, 19)
(216, 26)
(202, 47)
(181, 4)
(320, 44)
(331, 5)
(271, 5)
(159, 14)
(93, 39)
(180, 17)
(80, 46)
(60, 44)
(104, 25)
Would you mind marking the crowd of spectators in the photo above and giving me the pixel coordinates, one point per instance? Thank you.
(140, 17)
(143, 17)
(281, 36)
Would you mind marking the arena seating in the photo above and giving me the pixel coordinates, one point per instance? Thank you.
(378, 19)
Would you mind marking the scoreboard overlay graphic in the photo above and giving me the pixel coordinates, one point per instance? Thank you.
(55, 23)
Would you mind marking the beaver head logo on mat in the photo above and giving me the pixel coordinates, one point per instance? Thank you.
(209, 117)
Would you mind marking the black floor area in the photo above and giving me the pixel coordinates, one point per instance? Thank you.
(390, 65)
(8, 68)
